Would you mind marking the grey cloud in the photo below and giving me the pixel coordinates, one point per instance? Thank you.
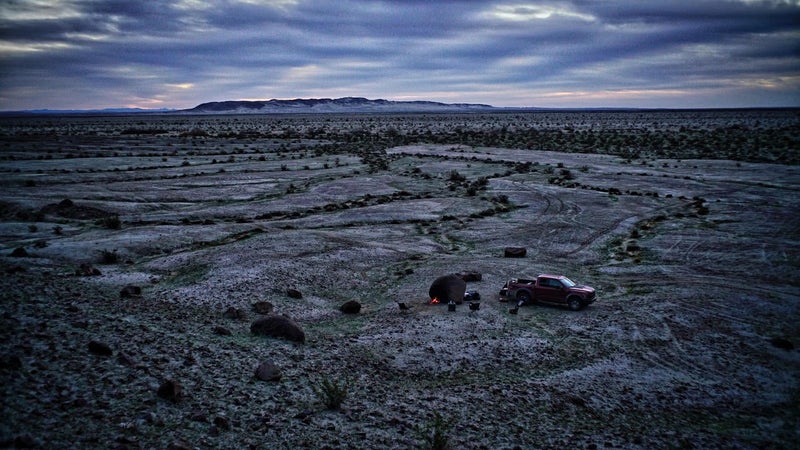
(453, 46)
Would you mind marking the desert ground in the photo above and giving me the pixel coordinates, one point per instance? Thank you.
(136, 252)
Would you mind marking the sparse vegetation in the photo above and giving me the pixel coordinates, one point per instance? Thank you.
(374, 207)
(435, 435)
(109, 256)
(331, 393)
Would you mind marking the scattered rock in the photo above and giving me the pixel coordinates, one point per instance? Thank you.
(263, 307)
(304, 414)
(24, 441)
(223, 423)
(130, 291)
(351, 307)
(198, 416)
(234, 313)
(86, 270)
(222, 331)
(179, 445)
(10, 362)
(100, 349)
(515, 252)
(126, 359)
(15, 269)
(278, 326)
(267, 371)
(782, 343)
(294, 293)
(170, 390)
(448, 288)
(20, 252)
(471, 276)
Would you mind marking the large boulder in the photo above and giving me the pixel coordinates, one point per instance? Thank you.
(277, 326)
(448, 288)
(515, 252)
(350, 307)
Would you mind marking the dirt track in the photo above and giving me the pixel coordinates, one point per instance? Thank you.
(695, 262)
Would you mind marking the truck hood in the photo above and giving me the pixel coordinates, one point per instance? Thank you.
(582, 289)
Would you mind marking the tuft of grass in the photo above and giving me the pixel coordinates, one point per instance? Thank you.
(434, 436)
(112, 222)
(331, 393)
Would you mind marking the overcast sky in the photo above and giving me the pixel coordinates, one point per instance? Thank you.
(80, 54)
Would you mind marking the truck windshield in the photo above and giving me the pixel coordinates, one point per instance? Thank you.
(567, 282)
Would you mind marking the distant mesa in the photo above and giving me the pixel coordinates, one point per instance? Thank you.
(321, 105)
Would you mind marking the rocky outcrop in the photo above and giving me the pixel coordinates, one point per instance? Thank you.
(448, 288)
(278, 326)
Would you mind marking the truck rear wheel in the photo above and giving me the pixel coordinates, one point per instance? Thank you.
(524, 297)
(574, 303)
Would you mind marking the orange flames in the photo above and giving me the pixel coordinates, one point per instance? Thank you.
(434, 301)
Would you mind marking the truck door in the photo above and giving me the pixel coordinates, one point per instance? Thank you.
(549, 290)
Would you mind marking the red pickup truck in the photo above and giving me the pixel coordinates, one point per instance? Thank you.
(548, 288)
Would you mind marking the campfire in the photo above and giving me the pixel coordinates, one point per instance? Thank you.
(435, 301)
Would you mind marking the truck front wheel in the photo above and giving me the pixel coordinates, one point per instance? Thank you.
(574, 303)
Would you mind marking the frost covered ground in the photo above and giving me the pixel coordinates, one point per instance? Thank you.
(690, 345)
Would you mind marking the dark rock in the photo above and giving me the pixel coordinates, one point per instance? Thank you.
(234, 313)
(470, 276)
(267, 371)
(26, 441)
(15, 269)
(782, 343)
(304, 414)
(198, 416)
(10, 362)
(351, 307)
(515, 252)
(86, 270)
(448, 288)
(126, 359)
(179, 445)
(20, 252)
(514, 310)
(100, 349)
(130, 291)
(222, 423)
(222, 331)
(170, 390)
(263, 307)
(294, 293)
(278, 326)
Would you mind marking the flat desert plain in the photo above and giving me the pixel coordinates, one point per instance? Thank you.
(137, 251)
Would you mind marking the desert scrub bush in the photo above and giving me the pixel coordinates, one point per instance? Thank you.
(434, 436)
(112, 222)
(331, 393)
(109, 256)
(457, 177)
